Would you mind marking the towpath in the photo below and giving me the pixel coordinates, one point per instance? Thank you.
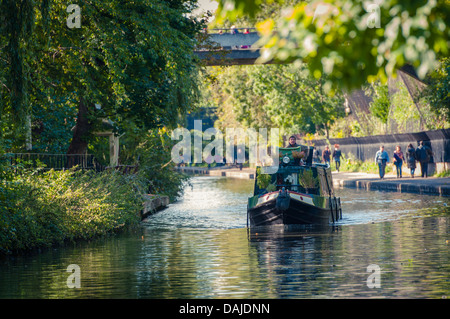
(439, 186)
(430, 185)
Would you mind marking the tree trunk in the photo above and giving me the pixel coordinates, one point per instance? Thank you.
(79, 142)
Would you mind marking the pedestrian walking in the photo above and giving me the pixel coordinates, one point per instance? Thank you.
(316, 156)
(423, 154)
(337, 156)
(398, 160)
(411, 159)
(382, 158)
(326, 155)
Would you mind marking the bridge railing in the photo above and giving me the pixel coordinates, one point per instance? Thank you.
(64, 161)
(229, 39)
(231, 31)
(227, 48)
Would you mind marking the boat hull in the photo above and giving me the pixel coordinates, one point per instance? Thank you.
(300, 209)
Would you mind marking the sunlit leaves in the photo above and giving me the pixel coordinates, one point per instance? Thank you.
(381, 103)
(232, 9)
(437, 94)
(355, 41)
(135, 59)
(282, 96)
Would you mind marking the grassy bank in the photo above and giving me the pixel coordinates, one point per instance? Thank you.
(48, 208)
(43, 208)
(349, 164)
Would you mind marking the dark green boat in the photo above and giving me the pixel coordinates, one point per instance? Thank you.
(300, 192)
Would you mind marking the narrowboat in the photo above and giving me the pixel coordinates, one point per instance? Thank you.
(299, 192)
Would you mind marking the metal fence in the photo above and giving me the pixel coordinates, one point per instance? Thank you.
(54, 161)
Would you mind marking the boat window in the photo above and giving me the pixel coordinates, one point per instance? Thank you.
(305, 180)
(291, 180)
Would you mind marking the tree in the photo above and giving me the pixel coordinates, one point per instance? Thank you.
(381, 103)
(128, 61)
(230, 89)
(352, 41)
(297, 102)
(437, 94)
(282, 96)
(16, 27)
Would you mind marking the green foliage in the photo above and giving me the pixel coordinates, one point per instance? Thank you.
(263, 10)
(42, 209)
(263, 180)
(232, 91)
(347, 42)
(134, 59)
(437, 94)
(307, 180)
(349, 164)
(445, 173)
(150, 151)
(52, 126)
(399, 112)
(282, 96)
(271, 188)
(381, 103)
(15, 31)
(156, 168)
(404, 111)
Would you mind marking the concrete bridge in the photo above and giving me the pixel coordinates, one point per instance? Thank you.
(230, 47)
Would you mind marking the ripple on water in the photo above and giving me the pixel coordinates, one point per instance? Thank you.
(200, 248)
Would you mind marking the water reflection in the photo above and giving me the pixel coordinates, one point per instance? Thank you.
(210, 202)
(360, 206)
(200, 248)
(412, 254)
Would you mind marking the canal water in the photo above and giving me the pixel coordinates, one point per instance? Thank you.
(387, 245)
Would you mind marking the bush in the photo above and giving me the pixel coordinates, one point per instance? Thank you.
(41, 208)
(46, 208)
(445, 173)
(351, 165)
(156, 168)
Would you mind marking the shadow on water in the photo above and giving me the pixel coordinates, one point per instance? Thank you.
(289, 232)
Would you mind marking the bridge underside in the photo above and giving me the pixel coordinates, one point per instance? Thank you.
(230, 57)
